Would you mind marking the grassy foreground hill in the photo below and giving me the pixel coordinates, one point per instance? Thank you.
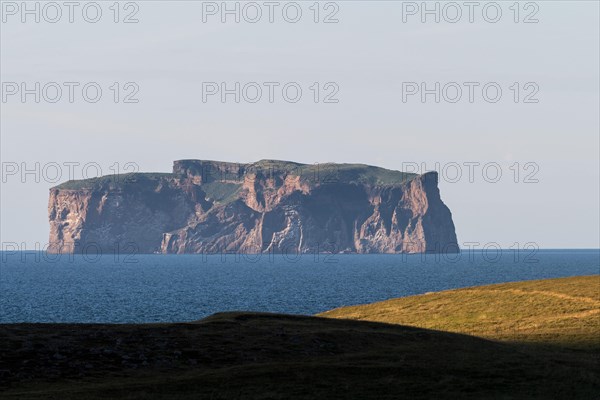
(563, 311)
(273, 356)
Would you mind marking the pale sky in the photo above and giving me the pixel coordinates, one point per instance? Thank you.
(368, 55)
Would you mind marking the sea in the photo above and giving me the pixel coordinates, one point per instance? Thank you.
(37, 287)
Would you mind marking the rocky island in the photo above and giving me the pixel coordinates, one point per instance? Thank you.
(268, 206)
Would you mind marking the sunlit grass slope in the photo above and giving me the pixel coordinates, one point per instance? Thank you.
(563, 311)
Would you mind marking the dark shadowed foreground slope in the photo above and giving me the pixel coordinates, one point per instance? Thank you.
(268, 356)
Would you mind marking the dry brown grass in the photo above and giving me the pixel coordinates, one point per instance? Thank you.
(563, 311)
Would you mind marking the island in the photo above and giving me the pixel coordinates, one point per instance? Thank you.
(270, 206)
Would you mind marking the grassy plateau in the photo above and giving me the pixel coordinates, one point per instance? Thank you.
(525, 340)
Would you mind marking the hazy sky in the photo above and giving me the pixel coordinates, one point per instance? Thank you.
(369, 55)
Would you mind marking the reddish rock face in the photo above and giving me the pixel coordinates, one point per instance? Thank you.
(269, 206)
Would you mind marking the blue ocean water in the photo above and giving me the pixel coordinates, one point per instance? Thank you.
(169, 288)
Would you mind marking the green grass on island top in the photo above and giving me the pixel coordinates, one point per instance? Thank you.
(333, 172)
(315, 173)
(113, 181)
(527, 340)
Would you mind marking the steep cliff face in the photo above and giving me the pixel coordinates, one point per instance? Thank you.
(269, 206)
